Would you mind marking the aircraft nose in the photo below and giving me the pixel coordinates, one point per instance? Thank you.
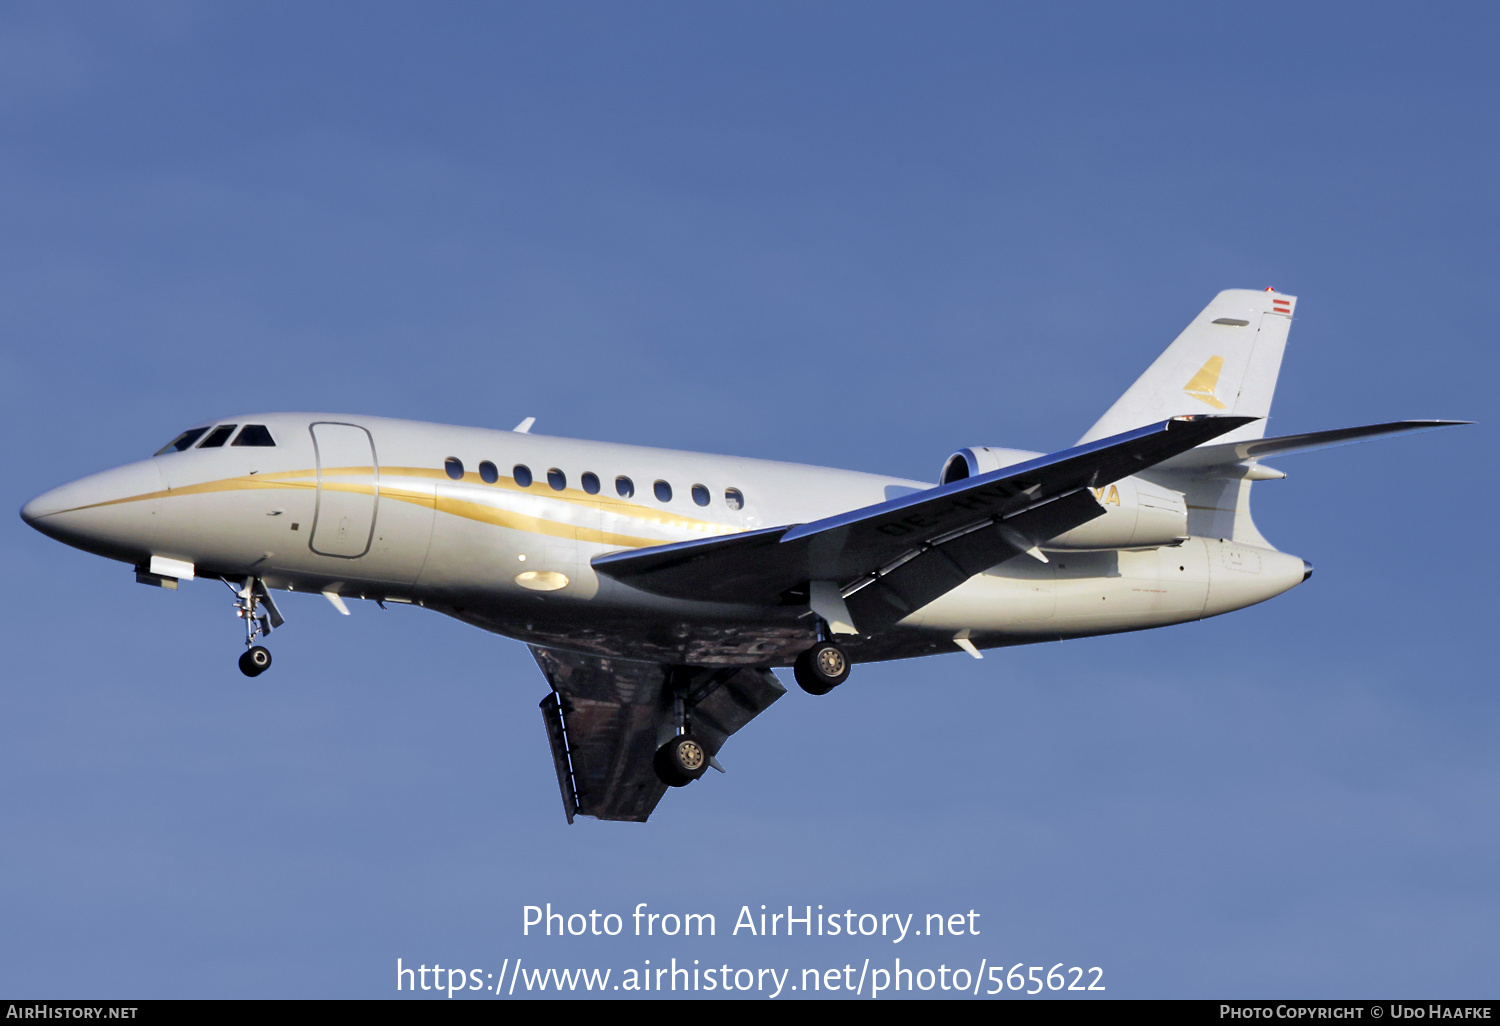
(58, 500)
(39, 507)
(83, 511)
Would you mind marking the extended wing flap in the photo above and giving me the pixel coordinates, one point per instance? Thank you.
(722, 701)
(605, 718)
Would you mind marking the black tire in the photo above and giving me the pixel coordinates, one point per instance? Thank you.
(821, 668)
(255, 661)
(681, 761)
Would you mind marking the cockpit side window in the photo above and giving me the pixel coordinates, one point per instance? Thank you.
(181, 442)
(218, 436)
(253, 434)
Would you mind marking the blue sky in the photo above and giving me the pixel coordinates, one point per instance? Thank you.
(858, 235)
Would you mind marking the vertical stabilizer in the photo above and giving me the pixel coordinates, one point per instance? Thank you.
(1226, 362)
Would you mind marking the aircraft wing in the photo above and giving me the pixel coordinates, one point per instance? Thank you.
(605, 719)
(890, 559)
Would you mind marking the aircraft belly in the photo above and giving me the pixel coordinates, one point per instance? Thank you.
(686, 639)
(1023, 601)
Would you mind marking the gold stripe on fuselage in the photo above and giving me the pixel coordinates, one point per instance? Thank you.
(390, 488)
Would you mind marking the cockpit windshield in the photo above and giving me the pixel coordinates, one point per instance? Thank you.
(254, 434)
(218, 436)
(181, 442)
(250, 434)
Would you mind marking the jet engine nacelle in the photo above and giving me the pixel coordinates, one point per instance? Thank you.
(1137, 513)
(981, 459)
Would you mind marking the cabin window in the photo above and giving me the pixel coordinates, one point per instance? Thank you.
(700, 495)
(522, 475)
(557, 479)
(590, 482)
(218, 436)
(181, 442)
(624, 487)
(487, 472)
(455, 468)
(734, 498)
(663, 491)
(254, 434)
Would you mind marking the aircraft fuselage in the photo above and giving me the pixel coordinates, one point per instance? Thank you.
(443, 517)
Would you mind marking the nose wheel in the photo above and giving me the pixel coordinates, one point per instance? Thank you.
(255, 661)
(821, 668)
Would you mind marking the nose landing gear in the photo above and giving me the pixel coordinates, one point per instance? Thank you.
(254, 605)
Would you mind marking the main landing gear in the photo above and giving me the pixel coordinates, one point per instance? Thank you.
(685, 758)
(821, 668)
(253, 604)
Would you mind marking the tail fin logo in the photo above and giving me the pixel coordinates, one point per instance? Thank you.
(1202, 386)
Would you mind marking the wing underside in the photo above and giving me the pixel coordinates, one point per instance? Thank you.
(605, 718)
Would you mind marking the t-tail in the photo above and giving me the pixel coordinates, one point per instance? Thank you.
(1226, 362)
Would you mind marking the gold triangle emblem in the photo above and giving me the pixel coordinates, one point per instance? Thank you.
(1205, 381)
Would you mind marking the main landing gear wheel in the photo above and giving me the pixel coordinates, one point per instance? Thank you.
(821, 668)
(255, 661)
(681, 761)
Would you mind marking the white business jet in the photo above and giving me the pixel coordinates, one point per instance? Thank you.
(657, 588)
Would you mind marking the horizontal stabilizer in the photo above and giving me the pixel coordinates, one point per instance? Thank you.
(1228, 453)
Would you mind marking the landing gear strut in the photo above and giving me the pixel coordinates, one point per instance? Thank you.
(683, 759)
(248, 602)
(821, 668)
